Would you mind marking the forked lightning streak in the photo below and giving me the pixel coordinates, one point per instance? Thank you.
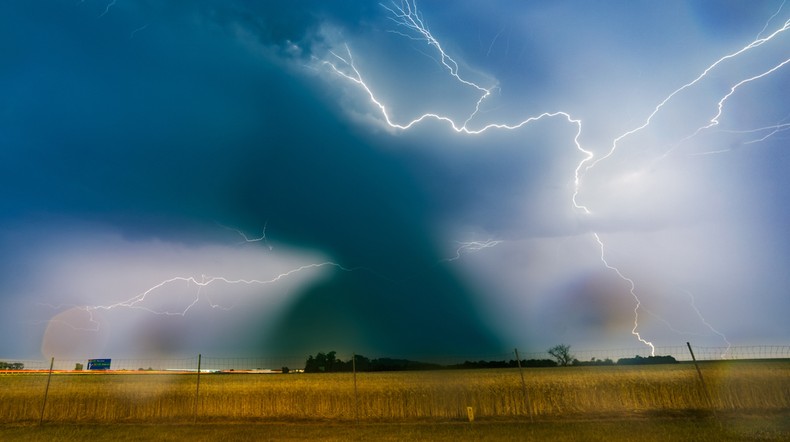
(411, 25)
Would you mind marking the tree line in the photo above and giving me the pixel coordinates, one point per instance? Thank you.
(11, 366)
(330, 363)
(563, 357)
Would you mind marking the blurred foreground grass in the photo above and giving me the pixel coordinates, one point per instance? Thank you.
(774, 427)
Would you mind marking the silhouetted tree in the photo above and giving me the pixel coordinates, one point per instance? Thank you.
(562, 353)
(331, 361)
(362, 363)
(315, 364)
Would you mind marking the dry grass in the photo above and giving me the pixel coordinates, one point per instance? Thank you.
(400, 396)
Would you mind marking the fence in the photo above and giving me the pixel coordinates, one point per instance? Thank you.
(151, 396)
(680, 353)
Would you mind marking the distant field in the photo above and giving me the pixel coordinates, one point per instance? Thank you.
(495, 395)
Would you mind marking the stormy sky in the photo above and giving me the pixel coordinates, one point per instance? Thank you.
(229, 177)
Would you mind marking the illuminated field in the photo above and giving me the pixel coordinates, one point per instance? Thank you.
(497, 394)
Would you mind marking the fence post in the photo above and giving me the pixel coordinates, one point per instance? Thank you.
(46, 391)
(702, 382)
(524, 385)
(356, 396)
(197, 390)
(701, 379)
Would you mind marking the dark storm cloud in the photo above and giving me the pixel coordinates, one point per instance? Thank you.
(115, 123)
(277, 25)
(136, 136)
(169, 131)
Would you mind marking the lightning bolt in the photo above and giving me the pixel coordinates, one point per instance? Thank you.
(410, 24)
(720, 106)
(135, 31)
(406, 15)
(247, 239)
(687, 332)
(752, 45)
(631, 290)
(107, 9)
(137, 302)
(773, 131)
(470, 247)
(351, 73)
(715, 120)
(496, 37)
(710, 327)
(759, 41)
(770, 19)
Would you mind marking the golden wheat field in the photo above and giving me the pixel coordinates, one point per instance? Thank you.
(398, 396)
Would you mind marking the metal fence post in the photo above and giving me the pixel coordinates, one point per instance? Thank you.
(46, 391)
(356, 395)
(197, 390)
(702, 382)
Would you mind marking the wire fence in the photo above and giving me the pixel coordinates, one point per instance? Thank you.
(297, 362)
(61, 390)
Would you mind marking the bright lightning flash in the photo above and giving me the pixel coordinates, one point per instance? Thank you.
(138, 302)
(410, 25)
(406, 16)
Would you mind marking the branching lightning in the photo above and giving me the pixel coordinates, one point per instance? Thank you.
(138, 301)
(762, 133)
(720, 106)
(411, 25)
(247, 239)
(406, 15)
(754, 44)
(772, 130)
(195, 284)
(759, 41)
(471, 246)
